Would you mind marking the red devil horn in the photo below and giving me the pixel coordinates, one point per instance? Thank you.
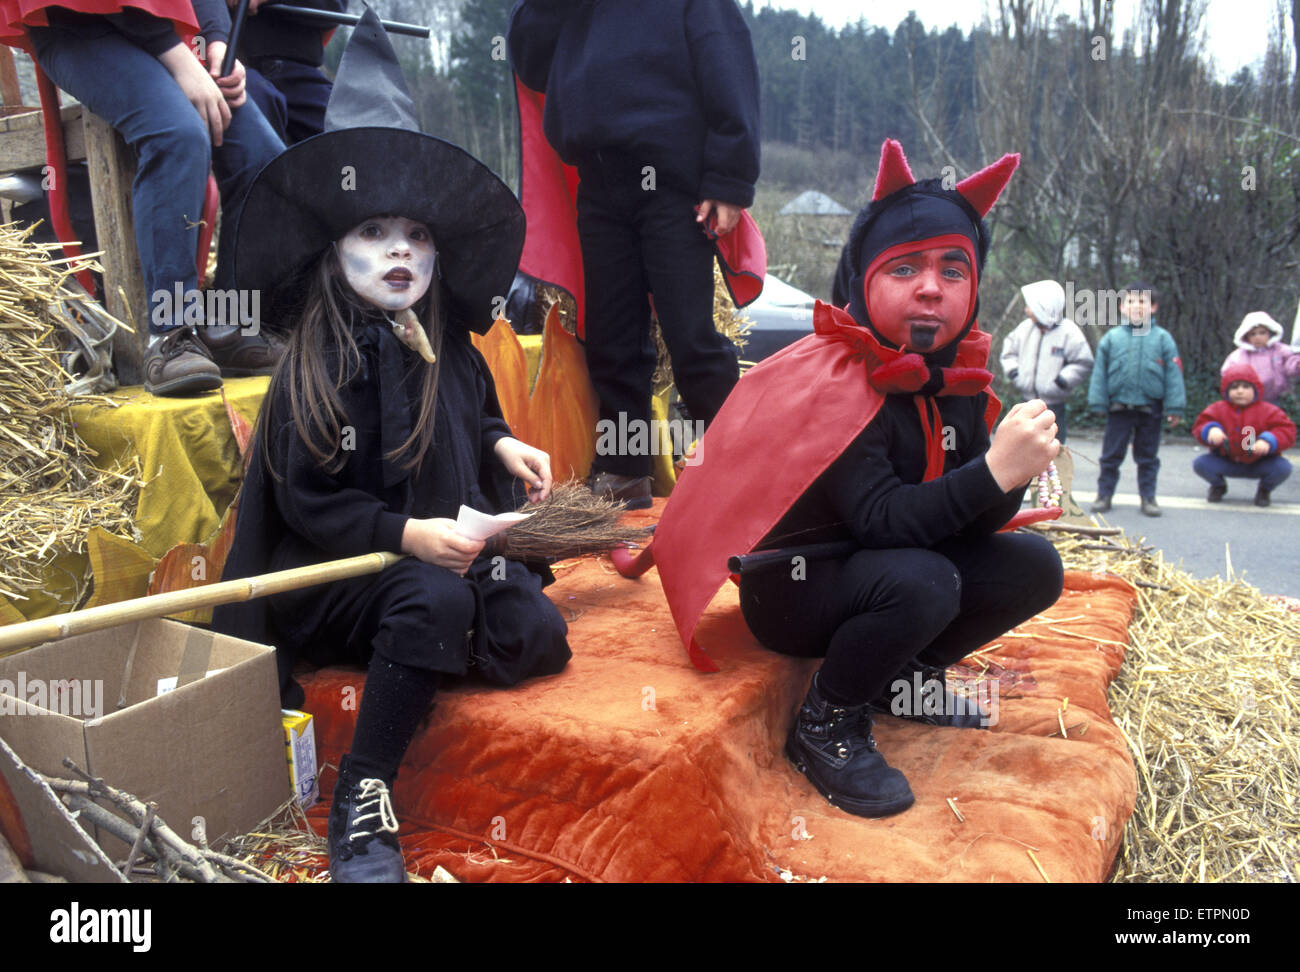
(894, 173)
(983, 188)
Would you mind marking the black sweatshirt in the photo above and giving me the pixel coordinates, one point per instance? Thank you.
(670, 82)
(268, 34)
(873, 492)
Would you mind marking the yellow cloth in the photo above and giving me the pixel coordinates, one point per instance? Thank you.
(187, 452)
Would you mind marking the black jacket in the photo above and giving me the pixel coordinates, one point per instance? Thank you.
(311, 516)
(268, 34)
(672, 82)
(874, 494)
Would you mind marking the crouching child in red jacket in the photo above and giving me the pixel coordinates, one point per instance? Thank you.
(1246, 436)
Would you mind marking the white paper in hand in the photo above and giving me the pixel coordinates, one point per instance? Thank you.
(479, 526)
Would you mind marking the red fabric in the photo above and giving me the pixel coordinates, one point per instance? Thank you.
(983, 188)
(894, 172)
(17, 14)
(810, 400)
(1242, 425)
(548, 191)
(742, 254)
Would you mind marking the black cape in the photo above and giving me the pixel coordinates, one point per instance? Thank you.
(310, 515)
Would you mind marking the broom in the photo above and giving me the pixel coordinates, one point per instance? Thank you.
(571, 522)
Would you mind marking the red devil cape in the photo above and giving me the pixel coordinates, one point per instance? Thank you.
(785, 422)
(17, 14)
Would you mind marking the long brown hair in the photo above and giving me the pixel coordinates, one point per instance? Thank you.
(322, 357)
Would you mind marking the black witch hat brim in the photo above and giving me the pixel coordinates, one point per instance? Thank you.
(317, 190)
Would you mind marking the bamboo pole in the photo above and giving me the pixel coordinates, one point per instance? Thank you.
(58, 626)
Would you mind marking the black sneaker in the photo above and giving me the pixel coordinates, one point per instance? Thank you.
(363, 844)
(1261, 497)
(832, 745)
(1150, 507)
(1101, 505)
(955, 711)
(1216, 493)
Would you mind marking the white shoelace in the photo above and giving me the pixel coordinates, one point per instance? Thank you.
(374, 792)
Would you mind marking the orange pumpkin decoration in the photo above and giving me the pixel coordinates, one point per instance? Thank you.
(564, 405)
(509, 366)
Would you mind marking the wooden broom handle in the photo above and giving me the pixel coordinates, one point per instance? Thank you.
(55, 627)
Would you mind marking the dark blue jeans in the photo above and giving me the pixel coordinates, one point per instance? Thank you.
(134, 93)
(1144, 430)
(1271, 471)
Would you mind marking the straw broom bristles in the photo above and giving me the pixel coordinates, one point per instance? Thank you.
(1207, 700)
(569, 523)
(50, 492)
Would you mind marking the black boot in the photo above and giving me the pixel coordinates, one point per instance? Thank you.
(832, 745)
(918, 699)
(363, 832)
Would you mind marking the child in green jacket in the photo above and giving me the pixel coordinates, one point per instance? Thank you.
(1137, 382)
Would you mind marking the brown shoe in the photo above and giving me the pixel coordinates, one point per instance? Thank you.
(179, 364)
(237, 354)
(632, 490)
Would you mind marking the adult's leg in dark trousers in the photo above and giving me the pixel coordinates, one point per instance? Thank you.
(248, 144)
(1061, 412)
(269, 100)
(304, 92)
(1146, 449)
(1006, 579)
(1114, 443)
(620, 353)
(679, 267)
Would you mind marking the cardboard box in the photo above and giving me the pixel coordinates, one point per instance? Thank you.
(210, 753)
(300, 750)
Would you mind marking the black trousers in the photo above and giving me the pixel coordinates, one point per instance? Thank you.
(636, 241)
(872, 613)
(292, 96)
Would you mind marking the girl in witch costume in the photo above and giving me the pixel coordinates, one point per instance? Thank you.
(371, 438)
(887, 482)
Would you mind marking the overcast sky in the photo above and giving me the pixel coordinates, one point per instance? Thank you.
(1236, 30)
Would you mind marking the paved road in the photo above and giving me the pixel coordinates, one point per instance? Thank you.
(1264, 543)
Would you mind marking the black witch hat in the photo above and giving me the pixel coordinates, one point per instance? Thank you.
(373, 160)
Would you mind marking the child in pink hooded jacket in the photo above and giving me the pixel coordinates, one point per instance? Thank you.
(1260, 345)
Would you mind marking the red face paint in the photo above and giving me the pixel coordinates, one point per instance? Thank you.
(920, 295)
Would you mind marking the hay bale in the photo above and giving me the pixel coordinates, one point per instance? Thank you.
(1207, 700)
(51, 494)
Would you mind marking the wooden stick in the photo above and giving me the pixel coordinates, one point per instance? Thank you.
(1087, 531)
(59, 626)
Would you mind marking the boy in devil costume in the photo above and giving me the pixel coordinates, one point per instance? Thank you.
(882, 416)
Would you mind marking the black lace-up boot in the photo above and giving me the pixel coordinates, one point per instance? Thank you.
(925, 692)
(832, 745)
(363, 832)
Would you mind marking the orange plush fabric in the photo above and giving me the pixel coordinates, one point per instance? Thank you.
(632, 766)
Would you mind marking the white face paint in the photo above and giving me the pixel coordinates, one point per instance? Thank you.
(388, 260)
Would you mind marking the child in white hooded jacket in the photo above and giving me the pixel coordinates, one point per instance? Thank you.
(1260, 345)
(1046, 356)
